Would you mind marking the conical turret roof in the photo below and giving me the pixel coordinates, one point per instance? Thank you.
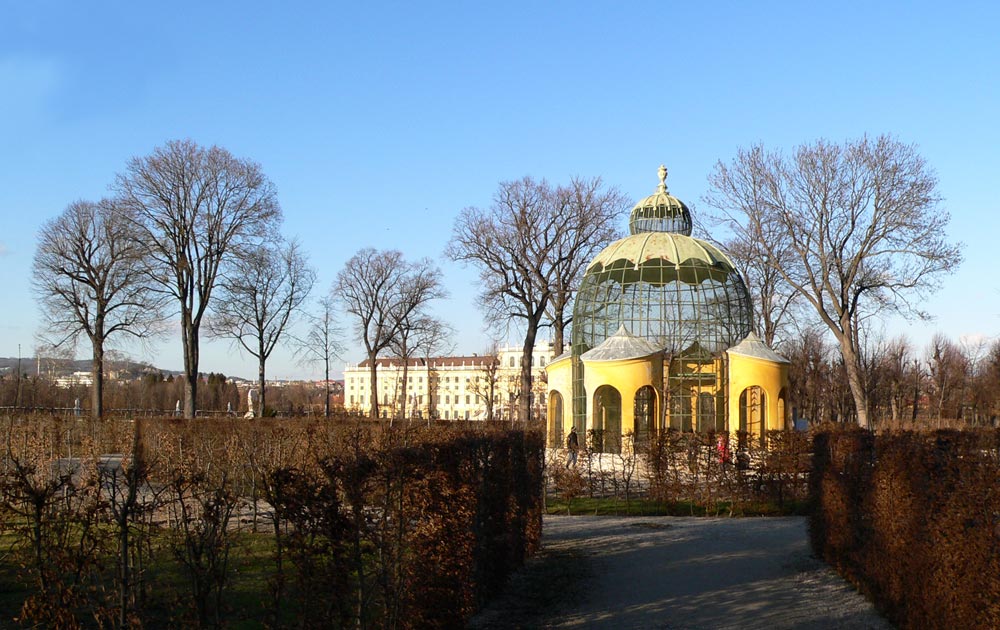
(621, 346)
(752, 346)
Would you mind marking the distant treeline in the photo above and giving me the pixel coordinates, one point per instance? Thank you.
(155, 393)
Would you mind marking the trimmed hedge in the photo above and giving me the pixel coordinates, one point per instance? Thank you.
(913, 520)
(322, 524)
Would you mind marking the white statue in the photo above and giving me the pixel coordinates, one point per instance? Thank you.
(251, 398)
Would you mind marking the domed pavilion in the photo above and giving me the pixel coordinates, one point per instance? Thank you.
(662, 338)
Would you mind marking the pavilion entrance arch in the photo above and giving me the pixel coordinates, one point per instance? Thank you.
(555, 409)
(607, 420)
(753, 412)
(644, 415)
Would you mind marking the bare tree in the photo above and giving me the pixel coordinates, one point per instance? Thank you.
(759, 257)
(195, 210)
(989, 379)
(529, 246)
(948, 369)
(419, 333)
(862, 222)
(486, 383)
(365, 286)
(434, 340)
(414, 327)
(88, 278)
(260, 294)
(774, 301)
(975, 350)
(589, 214)
(897, 377)
(321, 343)
(384, 294)
(811, 375)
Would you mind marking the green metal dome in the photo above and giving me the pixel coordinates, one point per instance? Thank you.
(693, 260)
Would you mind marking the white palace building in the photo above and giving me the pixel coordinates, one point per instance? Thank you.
(449, 388)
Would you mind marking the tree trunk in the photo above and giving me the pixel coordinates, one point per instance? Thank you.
(492, 392)
(189, 336)
(406, 369)
(852, 364)
(558, 328)
(430, 390)
(524, 397)
(260, 381)
(97, 371)
(326, 384)
(374, 378)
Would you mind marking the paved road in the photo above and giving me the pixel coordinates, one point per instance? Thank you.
(669, 572)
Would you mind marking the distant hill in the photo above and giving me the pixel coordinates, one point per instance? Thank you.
(63, 367)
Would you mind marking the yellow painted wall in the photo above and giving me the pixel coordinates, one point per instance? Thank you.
(627, 377)
(560, 379)
(772, 377)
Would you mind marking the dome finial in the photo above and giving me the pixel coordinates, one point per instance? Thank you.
(663, 179)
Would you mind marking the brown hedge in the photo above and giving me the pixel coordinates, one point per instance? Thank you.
(913, 519)
(368, 525)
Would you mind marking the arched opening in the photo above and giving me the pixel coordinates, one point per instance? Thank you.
(607, 420)
(708, 418)
(644, 413)
(753, 411)
(555, 419)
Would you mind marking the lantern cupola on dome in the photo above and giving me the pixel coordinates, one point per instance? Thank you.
(660, 212)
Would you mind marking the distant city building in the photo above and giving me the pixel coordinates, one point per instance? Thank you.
(76, 378)
(449, 388)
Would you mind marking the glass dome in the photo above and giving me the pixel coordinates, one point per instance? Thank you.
(678, 292)
(662, 285)
(673, 290)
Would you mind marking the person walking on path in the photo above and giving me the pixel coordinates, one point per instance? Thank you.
(572, 445)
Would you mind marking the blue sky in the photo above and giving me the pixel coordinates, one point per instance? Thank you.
(379, 122)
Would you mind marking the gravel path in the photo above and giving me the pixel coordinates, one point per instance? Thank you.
(673, 572)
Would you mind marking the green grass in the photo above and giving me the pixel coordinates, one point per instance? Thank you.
(247, 597)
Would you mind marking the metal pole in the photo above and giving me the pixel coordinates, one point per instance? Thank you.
(17, 399)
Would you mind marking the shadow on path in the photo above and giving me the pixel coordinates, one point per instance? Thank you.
(676, 572)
